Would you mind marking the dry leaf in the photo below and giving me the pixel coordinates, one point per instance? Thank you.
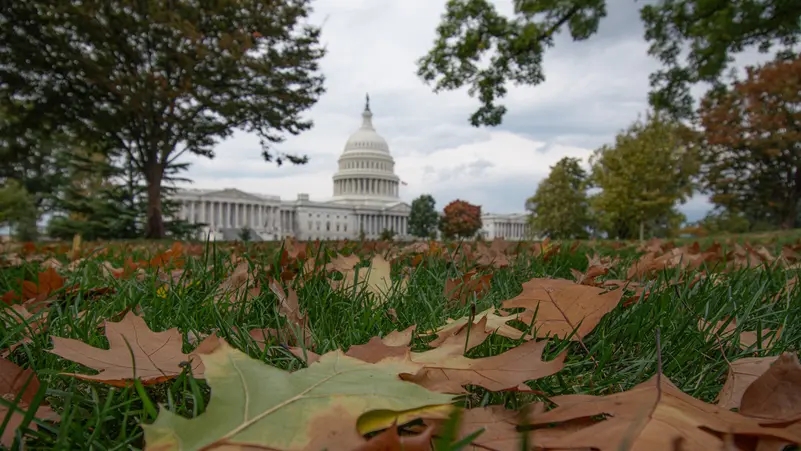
(153, 357)
(562, 306)
(742, 372)
(652, 416)
(12, 380)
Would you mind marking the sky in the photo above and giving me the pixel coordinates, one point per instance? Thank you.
(593, 89)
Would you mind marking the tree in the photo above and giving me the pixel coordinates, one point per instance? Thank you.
(752, 156)
(460, 219)
(18, 210)
(155, 80)
(423, 218)
(642, 176)
(560, 208)
(712, 31)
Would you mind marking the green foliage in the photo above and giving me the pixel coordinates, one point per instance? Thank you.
(154, 80)
(560, 208)
(642, 176)
(713, 31)
(245, 234)
(18, 210)
(387, 235)
(752, 156)
(720, 221)
(460, 219)
(423, 218)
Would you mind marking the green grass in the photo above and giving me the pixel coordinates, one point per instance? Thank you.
(622, 349)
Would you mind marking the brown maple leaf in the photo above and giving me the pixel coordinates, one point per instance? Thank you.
(20, 385)
(562, 306)
(653, 415)
(135, 351)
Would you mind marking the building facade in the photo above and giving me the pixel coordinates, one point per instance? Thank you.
(512, 227)
(366, 200)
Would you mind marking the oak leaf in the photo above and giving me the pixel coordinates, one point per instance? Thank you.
(562, 305)
(153, 357)
(462, 289)
(446, 369)
(376, 279)
(496, 323)
(742, 372)
(20, 385)
(653, 415)
(776, 393)
(256, 405)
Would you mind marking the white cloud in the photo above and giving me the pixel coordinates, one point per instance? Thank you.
(592, 90)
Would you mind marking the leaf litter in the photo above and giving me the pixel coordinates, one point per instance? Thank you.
(365, 397)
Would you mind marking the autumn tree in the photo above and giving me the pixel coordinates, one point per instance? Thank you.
(478, 47)
(752, 156)
(643, 176)
(423, 218)
(460, 219)
(560, 208)
(157, 80)
(18, 210)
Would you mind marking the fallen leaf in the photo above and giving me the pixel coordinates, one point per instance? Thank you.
(495, 323)
(251, 402)
(153, 357)
(376, 279)
(653, 415)
(446, 369)
(12, 380)
(776, 393)
(562, 306)
(390, 440)
(742, 372)
(462, 289)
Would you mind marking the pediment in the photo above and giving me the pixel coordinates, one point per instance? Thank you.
(235, 194)
(400, 207)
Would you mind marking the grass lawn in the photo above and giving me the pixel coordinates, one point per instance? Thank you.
(654, 325)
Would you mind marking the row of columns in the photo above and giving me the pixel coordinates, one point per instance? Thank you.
(366, 186)
(511, 230)
(236, 215)
(375, 224)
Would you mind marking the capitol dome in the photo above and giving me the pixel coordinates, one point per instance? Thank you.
(366, 172)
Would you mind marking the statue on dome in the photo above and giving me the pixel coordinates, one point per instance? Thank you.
(366, 102)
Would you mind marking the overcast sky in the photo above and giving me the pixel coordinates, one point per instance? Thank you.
(592, 90)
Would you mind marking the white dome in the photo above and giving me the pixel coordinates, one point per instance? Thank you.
(366, 138)
(366, 172)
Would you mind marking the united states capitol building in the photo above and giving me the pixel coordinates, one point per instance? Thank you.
(365, 201)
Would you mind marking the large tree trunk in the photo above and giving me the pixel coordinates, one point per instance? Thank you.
(155, 222)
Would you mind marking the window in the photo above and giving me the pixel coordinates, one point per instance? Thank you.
(327, 226)
(346, 227)
(318, 225)
(337, 227)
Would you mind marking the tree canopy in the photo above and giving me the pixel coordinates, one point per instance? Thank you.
(648, 170)
(423, 218)
(154, 80)
(752, 156)
(460, 219)
(478, 47)
(560, 208)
